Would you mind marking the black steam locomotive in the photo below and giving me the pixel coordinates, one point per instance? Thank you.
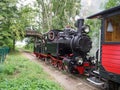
(67, 49)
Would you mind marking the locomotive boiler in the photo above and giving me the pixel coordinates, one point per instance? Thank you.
(68, 49)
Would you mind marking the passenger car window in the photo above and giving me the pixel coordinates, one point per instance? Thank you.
(112, 29)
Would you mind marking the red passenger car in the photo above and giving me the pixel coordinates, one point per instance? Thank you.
(110, 46)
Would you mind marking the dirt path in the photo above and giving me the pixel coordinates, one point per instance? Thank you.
(68, 81)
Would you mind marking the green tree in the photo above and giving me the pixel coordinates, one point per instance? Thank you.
(64, 11)
(56, 14)
(6, 13)
(112, 3)
(19, 24)
(13, 22)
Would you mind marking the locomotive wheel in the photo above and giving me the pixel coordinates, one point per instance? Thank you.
(65, 68)
(119, 87)
(72, 70)
(113, 86)
(50, 61)
(47, 60)
(36, 55)
(55, 64)
(42, 59)
(60, 66)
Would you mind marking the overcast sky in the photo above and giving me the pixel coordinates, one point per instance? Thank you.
(89, 7)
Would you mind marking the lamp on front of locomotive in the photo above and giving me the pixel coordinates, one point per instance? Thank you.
(81, 27)
(86, 29)
(79, 60)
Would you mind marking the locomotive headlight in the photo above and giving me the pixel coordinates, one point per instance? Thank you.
(79, 60)
(86, 28)
(93, 61)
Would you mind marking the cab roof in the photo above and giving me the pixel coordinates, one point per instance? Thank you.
(105, 12)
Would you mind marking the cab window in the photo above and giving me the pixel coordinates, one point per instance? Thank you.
(112, 29)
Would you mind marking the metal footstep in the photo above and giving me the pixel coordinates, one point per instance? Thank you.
(95, 81)
(96, 72)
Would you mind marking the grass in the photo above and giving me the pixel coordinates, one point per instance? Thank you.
(18, 73)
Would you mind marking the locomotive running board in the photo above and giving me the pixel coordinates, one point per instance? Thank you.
(95, 81)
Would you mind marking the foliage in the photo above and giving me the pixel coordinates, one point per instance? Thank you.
(54, 14)
(6, 12)
(18, 73)
(112, 3)
(63, 12)
(13, 21)
(95, 25)
(29, 47)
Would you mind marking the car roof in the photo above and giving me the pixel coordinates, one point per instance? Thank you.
(105, 12)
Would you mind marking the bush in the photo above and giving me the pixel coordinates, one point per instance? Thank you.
(1, 68)
(9, 69)
(19, 73)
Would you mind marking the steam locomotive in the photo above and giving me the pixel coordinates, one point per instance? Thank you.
(67, 49)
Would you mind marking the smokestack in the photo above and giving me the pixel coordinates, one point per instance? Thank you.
(80, 23)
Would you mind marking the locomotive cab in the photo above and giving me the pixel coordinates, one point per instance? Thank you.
(110, 46)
